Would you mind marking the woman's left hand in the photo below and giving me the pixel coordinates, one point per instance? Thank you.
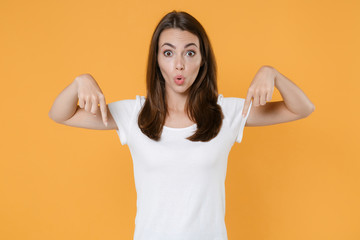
(261, 88)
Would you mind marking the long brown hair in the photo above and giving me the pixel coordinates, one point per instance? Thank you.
(201, 105)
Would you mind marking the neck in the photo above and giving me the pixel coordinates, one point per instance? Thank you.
(176, 102)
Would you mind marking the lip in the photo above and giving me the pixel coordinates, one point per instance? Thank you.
(179, 76)
(179, 79)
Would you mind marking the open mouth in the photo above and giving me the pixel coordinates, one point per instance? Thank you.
(179, 80)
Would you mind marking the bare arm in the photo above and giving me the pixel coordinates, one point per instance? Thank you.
(296, 104)
(87, 114)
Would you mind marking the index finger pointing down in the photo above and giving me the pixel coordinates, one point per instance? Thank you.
(246, 105)
(103, 110)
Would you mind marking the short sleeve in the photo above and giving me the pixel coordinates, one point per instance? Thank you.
(123, 113)
(232, 108)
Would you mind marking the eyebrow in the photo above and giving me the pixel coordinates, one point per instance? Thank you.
(187, 45)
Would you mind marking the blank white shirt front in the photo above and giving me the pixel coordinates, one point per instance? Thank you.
(180, 184)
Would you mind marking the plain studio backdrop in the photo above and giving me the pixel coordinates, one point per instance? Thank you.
(297, 180)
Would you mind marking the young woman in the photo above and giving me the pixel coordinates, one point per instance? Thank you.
(181, 133)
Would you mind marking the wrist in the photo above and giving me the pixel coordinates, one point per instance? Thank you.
(275, 75)
(75, 83)
(273, 72)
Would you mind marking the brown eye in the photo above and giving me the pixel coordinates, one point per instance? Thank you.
(167, 55)
(192, 53)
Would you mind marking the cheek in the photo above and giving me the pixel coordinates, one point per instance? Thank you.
(163, 68)
(161, 64)
(195, 62)
(195, 66)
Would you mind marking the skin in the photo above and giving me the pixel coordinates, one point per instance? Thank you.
(175, 60)
(296, 104)
(180, 60)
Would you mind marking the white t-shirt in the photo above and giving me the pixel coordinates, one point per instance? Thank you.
(180, 184)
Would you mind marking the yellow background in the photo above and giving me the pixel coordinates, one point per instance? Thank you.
(297, 180)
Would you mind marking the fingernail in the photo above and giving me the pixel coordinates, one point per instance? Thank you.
(106, 123)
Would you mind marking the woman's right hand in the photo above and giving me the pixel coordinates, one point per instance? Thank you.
(90, 95)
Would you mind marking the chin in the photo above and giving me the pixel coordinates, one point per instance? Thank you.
(181, 89)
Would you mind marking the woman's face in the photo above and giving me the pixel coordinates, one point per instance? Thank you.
(179, 59)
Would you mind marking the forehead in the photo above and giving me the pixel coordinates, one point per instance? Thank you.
(177, 36)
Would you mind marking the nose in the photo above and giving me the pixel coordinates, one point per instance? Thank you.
(179, 63)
